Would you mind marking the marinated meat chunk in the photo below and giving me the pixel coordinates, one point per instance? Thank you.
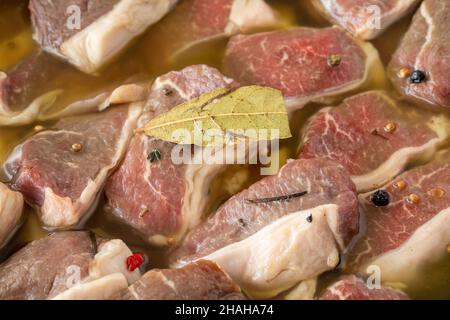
(305, 216)
(90, 33)
(374, 137)
(62, 171)
(200, 280)
(410, 231)
(34, 271)
(363, 18)
(67, 265)
(306, 64)
(419, 68)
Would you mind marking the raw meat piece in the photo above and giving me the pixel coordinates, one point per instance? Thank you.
(67, 265)
(297, 62)
(108, 274)
(62, 171)
(201, 280)
(305, 233)
(374, 137)
(90, 33)
(426, 48)
(413, 231)
(363, 18)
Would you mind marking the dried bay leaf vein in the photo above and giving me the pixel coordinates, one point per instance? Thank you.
(212, 118)
(251, 107)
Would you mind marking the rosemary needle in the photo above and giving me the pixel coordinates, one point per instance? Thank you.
(278, 198)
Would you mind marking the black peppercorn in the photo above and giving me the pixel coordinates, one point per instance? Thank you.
(309, 218)
(417, 76)
(242, 222)
(380, 198)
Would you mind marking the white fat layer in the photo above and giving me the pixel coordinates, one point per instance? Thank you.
(327, 96)
(304, 291)
(284, 253)
(61, 212)
(57, 211)
(30, 113)
(111, 259)
(11, 208)
(428, 38)
(364, 31)
(198, 179)
(108, 274)
(427, 245)
(128, 93)
(100, 289)
(77, 108)
(247, 15)
(401, 158)
(95, 45)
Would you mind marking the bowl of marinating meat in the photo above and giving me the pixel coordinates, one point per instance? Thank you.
(224, 150)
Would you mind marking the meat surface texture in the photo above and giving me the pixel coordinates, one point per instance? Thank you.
(373, 137)
(21, 98)
(20, 86)
(11, 209)
(297, 62)
(164, 199)
(194, 22)
(90, 33)
(39, 270)
(67, 265)
(412, 232)
(425, 48)
(201, 280)
(305, 233)
(351, 287)
(365, 19)
(62, 171)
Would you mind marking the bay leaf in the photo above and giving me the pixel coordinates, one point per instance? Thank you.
(224, 117)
